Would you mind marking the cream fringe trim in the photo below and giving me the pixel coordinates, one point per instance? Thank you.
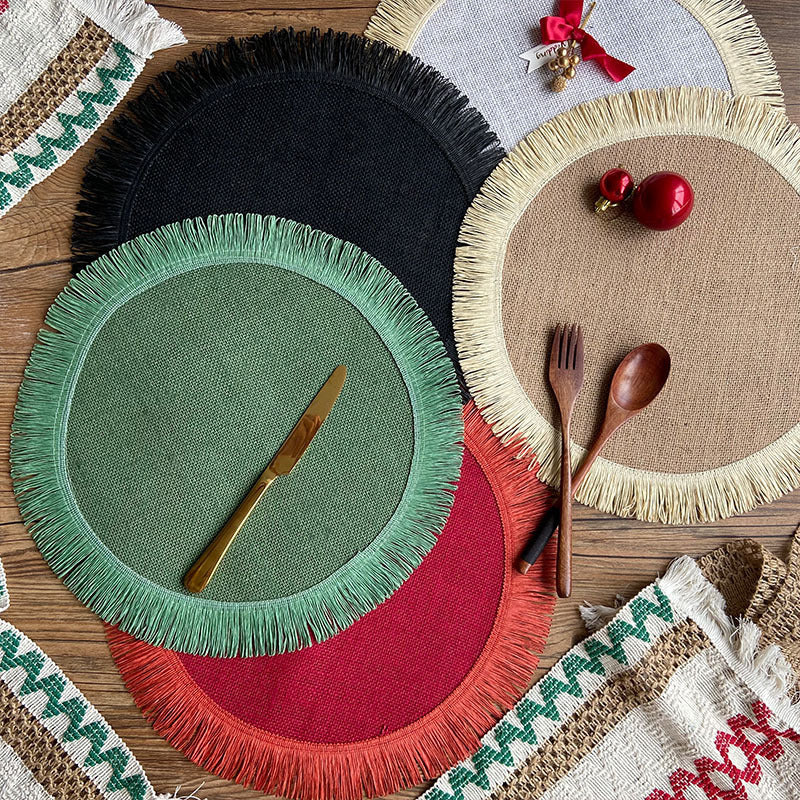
(5, 600)
(477, 315)
(598, 616)
(134, 23)
(743, 50)
(399, 22)
(764, 670)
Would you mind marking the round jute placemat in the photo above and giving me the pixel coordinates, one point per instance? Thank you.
(479, 45)
(332, 130)
(720, 292)
(172, 370)
(399, 696)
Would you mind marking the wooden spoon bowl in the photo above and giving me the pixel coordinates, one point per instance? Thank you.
(640, 377)
(637, 381)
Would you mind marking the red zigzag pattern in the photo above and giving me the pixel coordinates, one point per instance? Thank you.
(767, 747)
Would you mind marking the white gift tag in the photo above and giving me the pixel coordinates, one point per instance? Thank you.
(538, 56)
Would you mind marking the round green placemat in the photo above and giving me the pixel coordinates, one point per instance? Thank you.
(175, 368)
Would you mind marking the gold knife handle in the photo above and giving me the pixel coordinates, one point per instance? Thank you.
(201, 572)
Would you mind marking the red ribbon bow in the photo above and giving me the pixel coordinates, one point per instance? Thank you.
(567, 26)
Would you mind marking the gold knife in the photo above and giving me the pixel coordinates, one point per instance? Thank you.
(297, 442)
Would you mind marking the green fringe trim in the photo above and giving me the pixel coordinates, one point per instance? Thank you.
(186, 622)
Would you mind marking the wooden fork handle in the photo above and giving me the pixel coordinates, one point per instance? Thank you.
(549, 522)
(564, 560)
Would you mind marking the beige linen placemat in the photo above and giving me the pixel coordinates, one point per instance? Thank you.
(720, 292)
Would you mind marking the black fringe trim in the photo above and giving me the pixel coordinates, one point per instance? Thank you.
(426, 94)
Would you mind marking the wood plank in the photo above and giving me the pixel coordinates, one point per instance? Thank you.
(612, 556)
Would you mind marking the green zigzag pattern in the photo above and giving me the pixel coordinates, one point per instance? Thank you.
(550, 688)
(96, 731)
(87, 118)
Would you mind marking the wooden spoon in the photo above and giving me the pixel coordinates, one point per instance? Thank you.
(637, 381)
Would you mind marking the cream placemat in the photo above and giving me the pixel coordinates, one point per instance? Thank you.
(721, 292)
(670, 42)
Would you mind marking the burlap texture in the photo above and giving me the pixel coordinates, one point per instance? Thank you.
(720, 292)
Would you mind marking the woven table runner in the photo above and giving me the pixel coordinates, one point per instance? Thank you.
(720, 292)
(479, 45)
(350, 137)
(404, 692)
(54, 744)
(64, 65)
(177, 367)
(689, 692)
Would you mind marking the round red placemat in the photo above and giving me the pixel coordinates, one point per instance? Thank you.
(402, 694)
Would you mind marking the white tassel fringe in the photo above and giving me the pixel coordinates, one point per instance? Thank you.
(134, 23)
(598, 616)
(764, 670)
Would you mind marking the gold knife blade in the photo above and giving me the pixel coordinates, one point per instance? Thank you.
(289, 453)
(299, 439)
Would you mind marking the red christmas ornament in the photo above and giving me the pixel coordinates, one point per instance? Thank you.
(615, 186)
(663, 201)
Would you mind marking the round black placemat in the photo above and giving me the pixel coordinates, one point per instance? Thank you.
(349, 136)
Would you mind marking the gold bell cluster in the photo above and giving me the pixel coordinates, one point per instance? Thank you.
(563, 65)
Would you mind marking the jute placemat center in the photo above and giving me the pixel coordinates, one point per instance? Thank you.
(720, 292)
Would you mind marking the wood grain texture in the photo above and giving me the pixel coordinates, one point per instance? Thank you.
(611, 556)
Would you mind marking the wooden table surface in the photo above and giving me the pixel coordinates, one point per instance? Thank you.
(611, 555)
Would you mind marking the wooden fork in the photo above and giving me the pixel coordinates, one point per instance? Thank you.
(566, 378)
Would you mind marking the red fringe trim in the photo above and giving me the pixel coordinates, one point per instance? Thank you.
(226, 746)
